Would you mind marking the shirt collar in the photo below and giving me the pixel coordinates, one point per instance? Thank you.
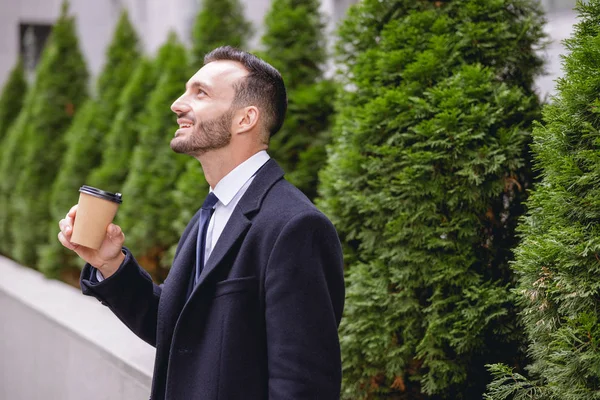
(231, 184)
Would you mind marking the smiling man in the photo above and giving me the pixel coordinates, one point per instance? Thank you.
(252, 303)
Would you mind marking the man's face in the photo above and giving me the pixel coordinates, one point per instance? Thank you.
(204, 111)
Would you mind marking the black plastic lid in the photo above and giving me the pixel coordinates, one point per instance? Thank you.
(114, 197)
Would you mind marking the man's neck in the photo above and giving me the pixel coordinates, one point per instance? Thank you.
(216, 164)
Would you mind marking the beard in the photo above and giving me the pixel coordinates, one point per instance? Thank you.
(206, 136)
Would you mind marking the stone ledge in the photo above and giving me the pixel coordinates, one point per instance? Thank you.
(74, 322)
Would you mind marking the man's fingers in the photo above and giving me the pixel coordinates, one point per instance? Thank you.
(72, 212)
(63, 240)
(65, 228)
(70, 217)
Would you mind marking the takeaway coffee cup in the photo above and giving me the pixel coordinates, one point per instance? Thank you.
(95, 212)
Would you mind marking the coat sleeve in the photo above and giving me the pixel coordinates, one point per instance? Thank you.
(129, 293)
(304, 299)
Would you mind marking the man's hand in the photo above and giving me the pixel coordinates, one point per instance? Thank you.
(108, 258)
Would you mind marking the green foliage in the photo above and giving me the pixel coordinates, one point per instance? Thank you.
(300, 144)
(294, 43)
(190, 191)
(11, 168)
(12, 122)
(118, 144)
(83, 142)
(122, 58)
(425, 182)
(219, 23)
(508, 384)
(147, 213)
(81, 148)
(192, 188)
(11, 98)
(558, 262)
(59, 90)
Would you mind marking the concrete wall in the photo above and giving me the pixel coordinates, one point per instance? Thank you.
(56, 343)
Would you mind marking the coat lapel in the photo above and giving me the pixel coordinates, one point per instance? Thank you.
(236, 227)
(240, 220)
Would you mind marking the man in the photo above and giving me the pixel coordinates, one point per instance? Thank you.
(252, 303)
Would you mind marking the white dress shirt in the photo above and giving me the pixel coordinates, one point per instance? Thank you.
(229, 191)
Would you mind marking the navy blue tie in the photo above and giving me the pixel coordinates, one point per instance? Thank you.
(205, 213)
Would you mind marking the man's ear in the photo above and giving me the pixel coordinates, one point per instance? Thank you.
(246, 119)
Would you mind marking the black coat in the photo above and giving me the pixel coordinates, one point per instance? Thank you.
(261, 323)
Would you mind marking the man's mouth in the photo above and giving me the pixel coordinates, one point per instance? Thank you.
(184, 123)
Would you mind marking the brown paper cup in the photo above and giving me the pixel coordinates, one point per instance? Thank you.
(95, 212)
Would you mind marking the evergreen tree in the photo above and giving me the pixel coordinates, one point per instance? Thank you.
(122, 58)
(53, 258)
(219, 23)
(118, 143)
(83, 143)
(11, 98)
(147, 213)
(190, 191)
(11, 168)
(294, 43)
(557, 262)
(60, 88)
(425, 182)
(11, 102)
(300, 145)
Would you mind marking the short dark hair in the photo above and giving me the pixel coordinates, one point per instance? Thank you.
(262, 87)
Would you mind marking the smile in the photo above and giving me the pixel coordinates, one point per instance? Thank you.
(184, 123)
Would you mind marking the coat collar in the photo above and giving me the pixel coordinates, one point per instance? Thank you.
(265, 178)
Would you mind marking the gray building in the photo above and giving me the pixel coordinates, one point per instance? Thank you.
(561, 18)
(24, 25)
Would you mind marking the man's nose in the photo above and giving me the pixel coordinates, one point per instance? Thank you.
(180, 107)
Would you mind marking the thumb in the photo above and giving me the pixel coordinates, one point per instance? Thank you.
(116, 234)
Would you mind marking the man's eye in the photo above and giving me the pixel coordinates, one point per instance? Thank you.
(201, 92)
